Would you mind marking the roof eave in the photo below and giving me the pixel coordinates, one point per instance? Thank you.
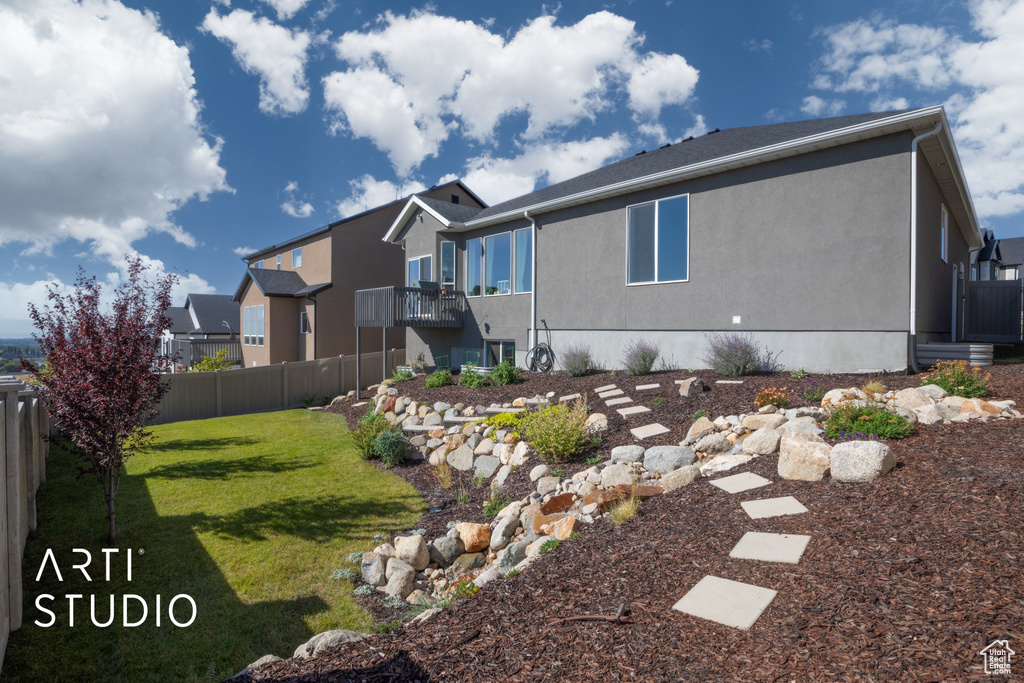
(407, 212)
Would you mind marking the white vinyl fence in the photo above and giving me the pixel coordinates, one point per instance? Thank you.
(23, 451)
(199, 395)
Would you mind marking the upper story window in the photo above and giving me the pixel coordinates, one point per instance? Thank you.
(297, 258)
(944, 236)
(448, 264)
(658, 241)
(474, 258)
(419, 269)
(259, 264)
(500, 264)
(524, 260)
(279, 262)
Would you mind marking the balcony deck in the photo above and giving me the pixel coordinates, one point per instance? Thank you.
(409, 307)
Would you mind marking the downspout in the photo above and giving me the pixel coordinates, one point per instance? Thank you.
(533, 285)
(912, 341)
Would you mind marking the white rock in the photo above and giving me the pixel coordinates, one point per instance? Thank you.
(913, 398)
(616, 475)
(761, 442)
(936, 392)
(520, 455)
(722, 463)
(322, 641)
(860, 462)
(803, 457)
(670, 481)
(538, 472)
(413, 551)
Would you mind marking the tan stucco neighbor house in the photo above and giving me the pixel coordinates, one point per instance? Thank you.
(297, 297)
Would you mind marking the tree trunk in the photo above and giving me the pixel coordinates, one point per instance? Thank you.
(108, 493)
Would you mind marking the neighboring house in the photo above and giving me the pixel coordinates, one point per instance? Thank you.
(296, 297)
(985, 262)
(829, 239)
(204, 317)
(1011, 265)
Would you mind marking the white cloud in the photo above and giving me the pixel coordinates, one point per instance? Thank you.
(369, 193)
(414, 80)
(296, 208)
(14, 321)
(243, 251)
(815, 106)
(286, 9)
(759, 45)
(497, 179)
(100, 136)
(980, 80)
(274, 53)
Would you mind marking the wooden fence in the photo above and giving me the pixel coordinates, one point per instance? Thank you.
(23, 451)
(199, 395)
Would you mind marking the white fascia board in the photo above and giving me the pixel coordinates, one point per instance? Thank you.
(407, 212)
(961, 182)
(920, 117)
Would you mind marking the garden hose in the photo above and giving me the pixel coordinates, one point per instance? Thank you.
(540, 358)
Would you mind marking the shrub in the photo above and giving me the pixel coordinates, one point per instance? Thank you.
(401, 375)
(873, 386)
(390, 446)
(640, 357)
(867, 420)
(734, 354)
(504, 373)
(799, 373)
(576, 360)
(471, 377)
(772, 397)
(815, 392)
(219, 361)
(958, 378)
(658, 400)
(370, 426)
(559, 432)
(512, 423)
(624, 510)
(439, 378)
(443, 473)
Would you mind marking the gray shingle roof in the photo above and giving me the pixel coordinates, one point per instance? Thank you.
(278, 283)
(181, 321)
(454, 212)
(988, 251)
(1012, 251)
(212, 310)
(705, 148)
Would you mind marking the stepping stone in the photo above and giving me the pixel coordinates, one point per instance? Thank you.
(726, 602)
(611, 392)
(647, 387)
(618, 401)
(419, 428)
(728, 381)
(359, 405)
(740, 482)
(647, 431)
(499, 411)
(459, 420)
(632, 410)
(773, 507)
(607, 387)
(570, 397)
(786, 548)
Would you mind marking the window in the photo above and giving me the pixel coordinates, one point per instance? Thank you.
(524, 260)
(455, 199)
(498, 264)
(944, 236)
(498, 351)
(259, 325)
(448, 264)
(259, 264)
(252, 325)
(245, 326)
(279, 262)
(304, 323)
(419, 269)
(474, 256)
(658, 241)
(297, 258)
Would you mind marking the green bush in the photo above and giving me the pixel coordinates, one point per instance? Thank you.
(390, 446)
(401, 375)
(439, 378)
(471, 377)
(513, 423)
(866, 421)
(209, 363)
(549, 545)
(505, 373)
(495, 503)
(370, 426)
(559, 432)
(958, 378)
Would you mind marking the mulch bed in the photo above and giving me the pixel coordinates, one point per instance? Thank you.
(907, 578)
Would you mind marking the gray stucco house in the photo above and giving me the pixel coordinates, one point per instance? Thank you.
(839, 242)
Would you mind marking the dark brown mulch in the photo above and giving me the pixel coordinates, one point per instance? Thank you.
(907, 578)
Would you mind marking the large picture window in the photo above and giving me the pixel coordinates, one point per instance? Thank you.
(252, 325)
(498, 264)
(658, 241)
(524, 260)
(474, 256)
(448, 264)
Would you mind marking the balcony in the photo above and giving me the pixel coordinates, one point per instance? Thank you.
(409, 307)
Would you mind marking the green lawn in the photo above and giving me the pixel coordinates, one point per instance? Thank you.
(1005, 355)
(248, 515)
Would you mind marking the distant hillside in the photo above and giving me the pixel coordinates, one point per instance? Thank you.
(13, 349)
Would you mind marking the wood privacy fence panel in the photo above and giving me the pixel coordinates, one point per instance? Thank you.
(23, 452)
(995, 311)
(200, 395)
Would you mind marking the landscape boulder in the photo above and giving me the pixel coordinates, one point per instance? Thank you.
(616, 474)
(413, 551)
(474, 537)
(861, 462)
(318, 643)
(461, 458)
(662, 459)
(803, 457)
(444, 550)
(630, 453)
(701, 427)
(401, 577)
(675, 479)
(768, 421)
(372, 569)
(762, 442)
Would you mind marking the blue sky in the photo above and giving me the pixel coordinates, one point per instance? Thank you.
(192, 130)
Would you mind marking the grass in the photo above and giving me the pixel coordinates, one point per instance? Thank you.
(1006, 355)
(248, 515)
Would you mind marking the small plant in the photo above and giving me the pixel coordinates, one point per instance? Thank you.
(439, 378)
(365, 589)
(471, 377)
(479, 481)
(219, 361)
(464, 588)
(512, 423)
(391, 447)
(734, 354)
(658, 400)
(576, 360)
(699, 414)
(370, 426)
(593, 460)
(395, 602)
(772, 397)
(420, 363)
(815, 392)
(549, 545)
(873, 386)
(311, 401)
(350, 574)
(799, 373)
(505, 373)
(625, 509)
(958, 378)
(401, 375)
(380, 538)
(512, 573)
(640, 357)
(356, 557)
(443, 474)
(867, 420)
(391, 625)
(556, 473)
(461, 494)
(418, 532)
(495, 504)
(559, 432)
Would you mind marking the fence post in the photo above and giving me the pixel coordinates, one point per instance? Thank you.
(12, 459)
(28, 457)
(284, 385)
(344, 390)
(220, 397)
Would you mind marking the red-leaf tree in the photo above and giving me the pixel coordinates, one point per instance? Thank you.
(101, 380)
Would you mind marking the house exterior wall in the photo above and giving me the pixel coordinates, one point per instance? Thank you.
(811, 252)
